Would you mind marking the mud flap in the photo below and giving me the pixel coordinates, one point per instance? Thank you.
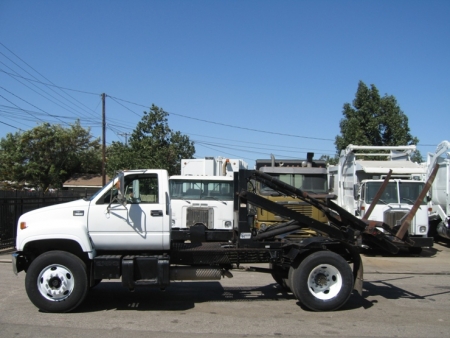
(359, 277)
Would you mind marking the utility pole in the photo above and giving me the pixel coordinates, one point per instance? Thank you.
(126, 137)
(103, 141)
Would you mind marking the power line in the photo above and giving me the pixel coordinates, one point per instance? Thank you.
(78, 108)
(225, 153)
(114, 99)
(126, 137)
(232, 126)
(117, 128)
(65, 107)
(26, 102)
(16, 105)
(49, 84)
(260, 144)
(253, 151)
(9, 125)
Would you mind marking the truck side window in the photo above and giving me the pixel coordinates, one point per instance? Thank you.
(141, 189)
(138, 189)
(148, 191)
(106, 198)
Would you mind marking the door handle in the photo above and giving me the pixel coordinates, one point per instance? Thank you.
(155, 213)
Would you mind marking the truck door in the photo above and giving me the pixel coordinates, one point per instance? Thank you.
(137, 224)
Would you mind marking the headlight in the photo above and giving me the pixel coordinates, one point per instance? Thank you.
(263, 226)
(228, 224)
(173, 221)
(423, 229)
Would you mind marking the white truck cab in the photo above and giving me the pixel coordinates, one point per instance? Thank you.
(202, 199)
(203, 193)
(107, 221)
(396, 201)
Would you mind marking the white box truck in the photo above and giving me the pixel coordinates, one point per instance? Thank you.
(211, 166)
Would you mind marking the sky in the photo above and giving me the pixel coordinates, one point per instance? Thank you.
(243, 79)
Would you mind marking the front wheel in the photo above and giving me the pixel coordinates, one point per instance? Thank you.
(322, 282)
(56, 281)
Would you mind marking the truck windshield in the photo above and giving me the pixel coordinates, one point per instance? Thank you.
(201, 190)
(395, 192)
(309, 183)
(99, 191)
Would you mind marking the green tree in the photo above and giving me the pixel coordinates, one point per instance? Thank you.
(330, 160)
(375, 121)
(48, 155)
(151, 145)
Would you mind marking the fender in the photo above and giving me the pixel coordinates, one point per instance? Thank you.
(80, 238)
(319, 243)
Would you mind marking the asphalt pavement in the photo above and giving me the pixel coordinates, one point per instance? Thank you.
(403, 296)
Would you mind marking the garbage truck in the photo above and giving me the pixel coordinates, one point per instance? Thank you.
(440, 190)
(307, 174)
(360, 174)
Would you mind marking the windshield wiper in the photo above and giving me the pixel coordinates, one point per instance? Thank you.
(407, 199)
(380, 200)
(215, 198)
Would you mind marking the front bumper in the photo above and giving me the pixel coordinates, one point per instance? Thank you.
(19, 261)
(422, 242)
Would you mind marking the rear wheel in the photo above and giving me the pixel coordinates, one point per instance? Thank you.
(56, 281)
(322, 282)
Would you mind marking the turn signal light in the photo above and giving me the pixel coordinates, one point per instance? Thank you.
(23, 225)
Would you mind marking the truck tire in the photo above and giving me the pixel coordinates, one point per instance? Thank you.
(56, 281)
(323, 281)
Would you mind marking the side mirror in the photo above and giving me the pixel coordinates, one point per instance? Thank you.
(356, 191)
(120, 185)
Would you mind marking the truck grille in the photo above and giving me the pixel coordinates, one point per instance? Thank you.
(304, 209)
(200, 215)
(391, 217)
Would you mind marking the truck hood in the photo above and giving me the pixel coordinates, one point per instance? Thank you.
(65, 221)
(62, 207)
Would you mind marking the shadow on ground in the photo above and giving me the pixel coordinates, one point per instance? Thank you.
(181, 296)
(178, 296)
(403, 252)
